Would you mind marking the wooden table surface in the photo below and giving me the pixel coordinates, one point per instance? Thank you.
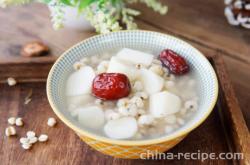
(201, 23)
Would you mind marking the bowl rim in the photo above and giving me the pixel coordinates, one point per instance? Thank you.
(82, 132)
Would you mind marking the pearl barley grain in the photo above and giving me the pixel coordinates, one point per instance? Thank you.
(111, 115)
(26, 146)
(168, 129)
(180, 121)
(12, 120)
(33, 140)
(138, 86)
(78, 65)
(51, 122)
(123, 111)
(24, 140)
(10, 131)
(122, 102)
(43, 138)
(145, 120)
(170, 119)
(11, 81)
(84, 60)
(30, 134)
(19, 121)
(169, 84)
(142, 95)
(98, 101)
(191, 105)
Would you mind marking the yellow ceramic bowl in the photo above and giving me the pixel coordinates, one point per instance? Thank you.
(143, 40)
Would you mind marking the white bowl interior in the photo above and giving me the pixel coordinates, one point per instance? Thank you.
(142, 40)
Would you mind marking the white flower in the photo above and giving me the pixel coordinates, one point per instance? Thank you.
(156, 6)
(57, 14)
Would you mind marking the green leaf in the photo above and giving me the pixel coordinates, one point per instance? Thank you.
(66, 2)
(85, 3)
(46, 1)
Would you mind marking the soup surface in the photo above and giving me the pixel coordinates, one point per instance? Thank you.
(131, 94)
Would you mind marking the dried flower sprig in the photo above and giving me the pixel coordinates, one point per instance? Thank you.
(57, 14)
(104, 15)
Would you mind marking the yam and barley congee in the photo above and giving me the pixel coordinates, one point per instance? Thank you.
(132, 95)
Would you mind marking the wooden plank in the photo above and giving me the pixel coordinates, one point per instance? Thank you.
(73, 151)
(239, 74)
(64, 147)
(232, 114)
(35, 116)
(202, 22)
(25, 72)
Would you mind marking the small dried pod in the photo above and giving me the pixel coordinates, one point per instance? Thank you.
(33, 49)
